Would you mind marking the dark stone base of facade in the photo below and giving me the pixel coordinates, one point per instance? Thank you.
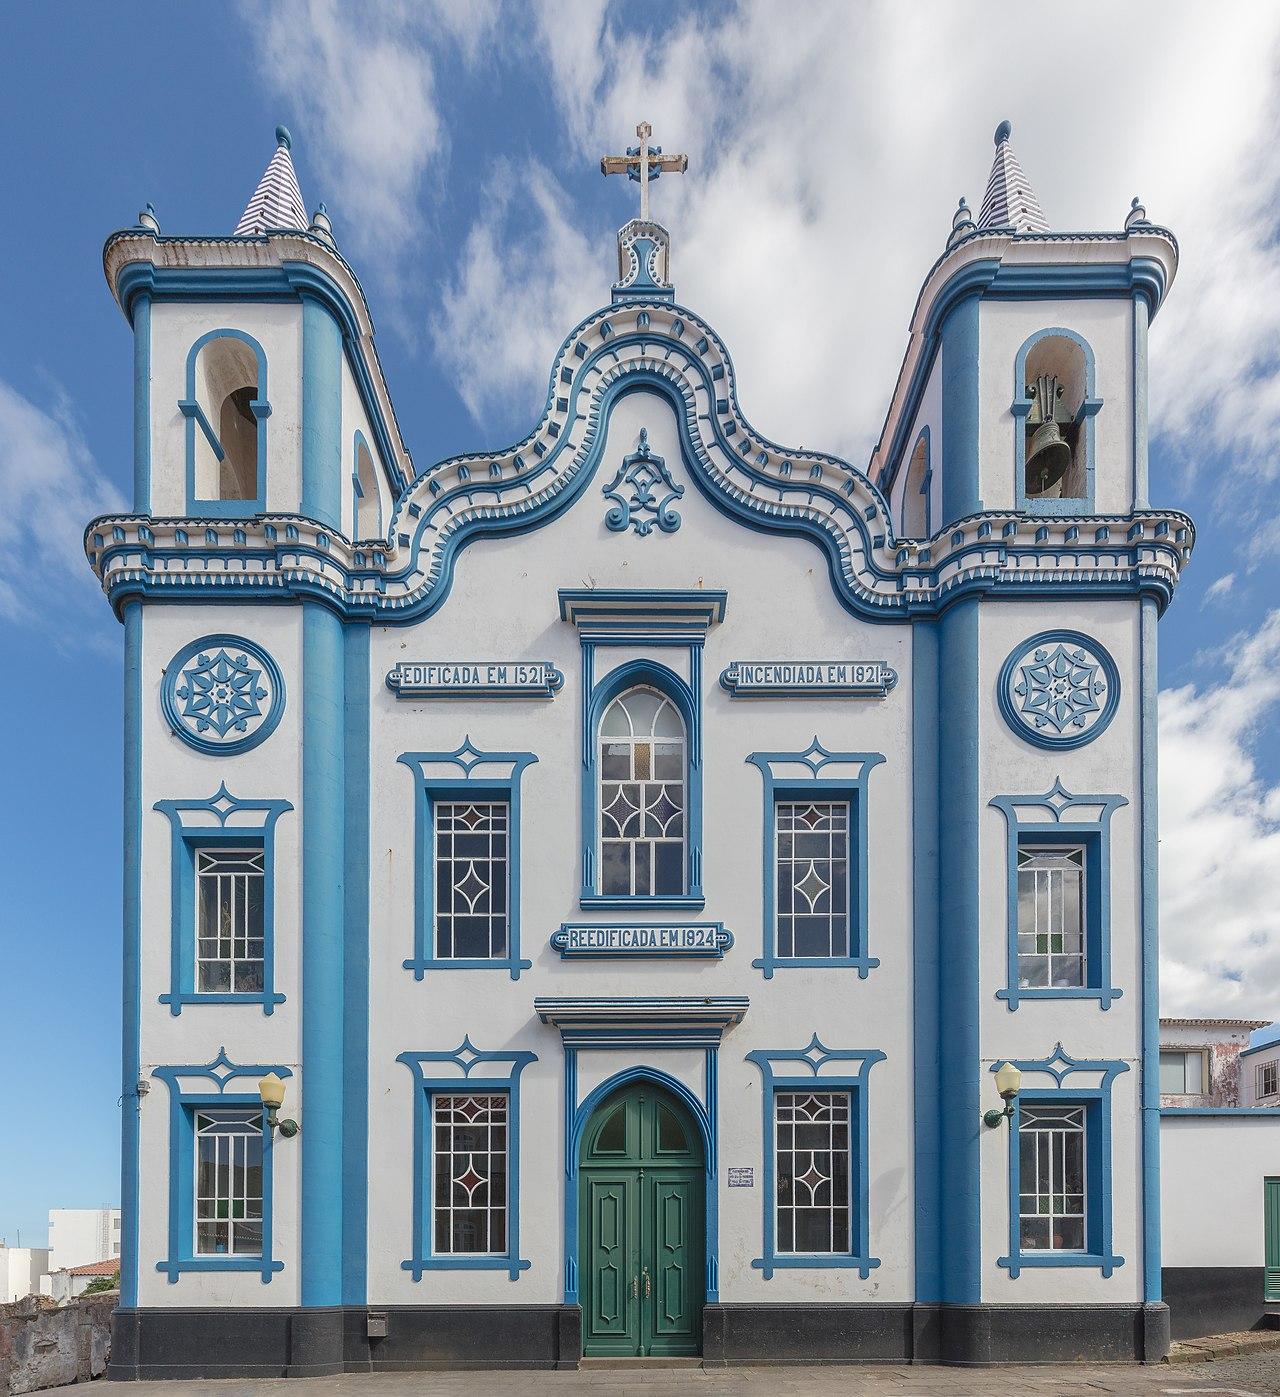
(1215, 1299)
(271, 1343)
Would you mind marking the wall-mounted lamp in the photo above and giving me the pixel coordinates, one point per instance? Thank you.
(271, 1090)
(1008, 1080)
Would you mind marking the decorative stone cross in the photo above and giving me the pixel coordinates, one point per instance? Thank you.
(643, 163)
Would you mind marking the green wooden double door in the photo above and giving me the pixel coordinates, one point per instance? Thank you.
(640, 1218)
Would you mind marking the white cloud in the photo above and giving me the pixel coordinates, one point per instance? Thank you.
(1220, 587)
(47, 473)
(1220, 838)
(362, 80)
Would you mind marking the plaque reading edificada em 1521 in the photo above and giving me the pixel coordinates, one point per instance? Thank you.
(412, 679)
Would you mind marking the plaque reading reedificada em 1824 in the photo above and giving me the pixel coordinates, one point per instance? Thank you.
(474, 679)
(591, 940)
(808, 679)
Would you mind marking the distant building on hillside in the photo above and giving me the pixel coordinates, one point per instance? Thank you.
(1200, 1060)
(20, 1271)
(78, 1236)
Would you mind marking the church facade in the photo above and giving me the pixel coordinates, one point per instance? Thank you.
(632, 855)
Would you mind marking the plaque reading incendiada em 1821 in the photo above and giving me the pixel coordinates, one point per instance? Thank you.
(808, 679)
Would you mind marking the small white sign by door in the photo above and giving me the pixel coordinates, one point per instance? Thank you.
(742, 1178)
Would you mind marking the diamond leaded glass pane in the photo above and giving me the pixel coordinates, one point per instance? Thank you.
(228, 1185)
(1051, 949)
(469, 1170)
(1051, 1154)
(472, 854)
(642, 796)
(812, 878)
(814, 1200)
(230, 885)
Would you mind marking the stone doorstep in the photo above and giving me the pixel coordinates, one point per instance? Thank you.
(1223, 1346)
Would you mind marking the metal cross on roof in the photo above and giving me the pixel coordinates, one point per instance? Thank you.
(643, 163)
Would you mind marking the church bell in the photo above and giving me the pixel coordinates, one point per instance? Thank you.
(1048, 455)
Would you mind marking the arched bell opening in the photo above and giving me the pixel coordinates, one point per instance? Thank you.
(1056, 405)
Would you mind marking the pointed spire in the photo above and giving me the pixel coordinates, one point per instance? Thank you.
(277, 201)
(1010, 202)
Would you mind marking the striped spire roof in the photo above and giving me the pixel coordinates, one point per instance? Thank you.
(1010, 202)
(277, 201)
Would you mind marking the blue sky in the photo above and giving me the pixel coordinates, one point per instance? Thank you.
(457, 149)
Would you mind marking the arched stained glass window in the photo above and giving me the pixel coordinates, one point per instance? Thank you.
(643, 796)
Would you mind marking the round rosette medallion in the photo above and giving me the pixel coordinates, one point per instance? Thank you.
(222, 694)
(1059, 689)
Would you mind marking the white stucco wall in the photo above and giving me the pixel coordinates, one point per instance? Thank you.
(80, 1236)
(1212, 1170)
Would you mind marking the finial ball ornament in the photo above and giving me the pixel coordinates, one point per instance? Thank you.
(1004, 131)
(283, 138)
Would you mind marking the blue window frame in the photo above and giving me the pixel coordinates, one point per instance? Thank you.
(220, 825)
(1058, 822)
(467, 899)
(489, 1164)
(198, 1095)
(811, 893)
(674, 697)
(1034, 1192)
(244, 408)
(1076, 356)
(815, 1158)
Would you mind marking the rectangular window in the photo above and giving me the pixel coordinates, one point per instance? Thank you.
(1268, 1078)
(812, 877)
(1051, 1178)
(228, 1184)
(472, 878)
(1181, 1073)
(1051, 926)
(230, 886)
(469, 1169)
(813, 1167)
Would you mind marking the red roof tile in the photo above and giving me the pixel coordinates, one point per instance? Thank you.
(96, 1268)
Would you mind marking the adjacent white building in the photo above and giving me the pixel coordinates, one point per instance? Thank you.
(21, 1269)
(635, 849)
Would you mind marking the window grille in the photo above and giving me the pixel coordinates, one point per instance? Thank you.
(472, 862)
(1051, 951)
(814, 1173)
(230, 885)
(1051, 1172)
(470, 1172)
(642, 796)
(228, 1211)
(1268, 1079)
(812, 878)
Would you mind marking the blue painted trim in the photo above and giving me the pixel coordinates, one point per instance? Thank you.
(355, 970)
(183, 1105)
(687, 698)
(195, 416)
(1260, 1048)
(814, 1057)
(705, 1116)
(561, 942)
(1095, 837)
(1148, 746)
(131, 983)
(961, 485)
(429, 789)
(323, 957)
(169, 697)
(286, 283)
(926, 982)
(1264, 1113)
(959, 934)
(464, 1057)
(1023, 727)
(321, 414)
(185, 840)
(142, 405)
(1098, 1164)
(852, 788)
(1021, 408)
(641, 470)
(1140, 279)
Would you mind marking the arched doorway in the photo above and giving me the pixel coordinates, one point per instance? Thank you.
(642, 1205)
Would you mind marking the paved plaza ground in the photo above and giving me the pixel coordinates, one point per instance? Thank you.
(1255, 1376)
